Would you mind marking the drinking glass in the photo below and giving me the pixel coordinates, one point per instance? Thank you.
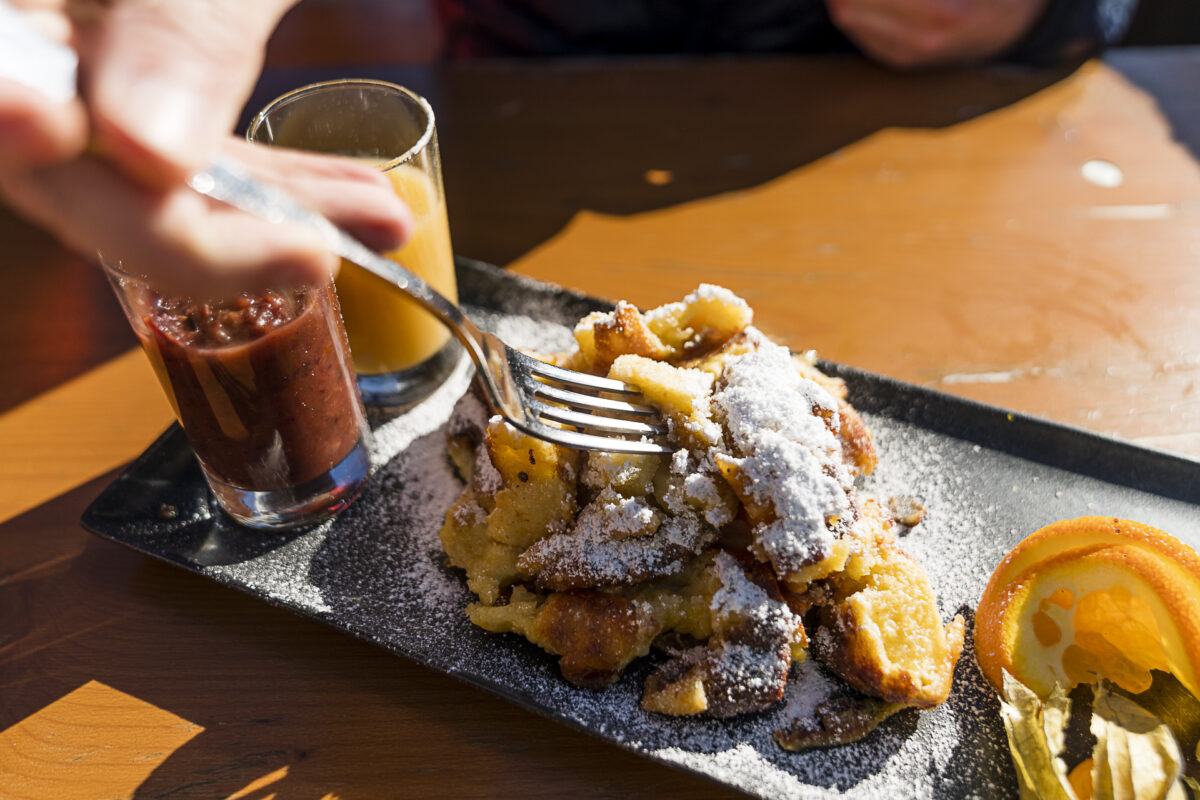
(401, 352)
(263, 387)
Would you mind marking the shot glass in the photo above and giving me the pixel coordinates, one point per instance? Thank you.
(401, 352)
(263, 387)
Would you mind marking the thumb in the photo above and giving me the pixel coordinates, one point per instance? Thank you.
(166, 80)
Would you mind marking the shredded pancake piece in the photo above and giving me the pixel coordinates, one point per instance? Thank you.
(786, 459)
(616, 541)
(744, 665)
(720, 553)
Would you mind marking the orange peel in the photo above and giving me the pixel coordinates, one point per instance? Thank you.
(1090, 598)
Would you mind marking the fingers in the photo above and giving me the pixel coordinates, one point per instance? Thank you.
(47, 17)
(183, 242)
(190, 245)
(163, 84)
(37, 125)
(35, 130)
(355, 196)
(168, 79)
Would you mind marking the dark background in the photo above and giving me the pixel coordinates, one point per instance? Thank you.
(1165, 22)
(352, 32)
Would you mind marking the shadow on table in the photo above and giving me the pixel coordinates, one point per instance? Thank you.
(162, 504)
(329, 716)
(527, 144)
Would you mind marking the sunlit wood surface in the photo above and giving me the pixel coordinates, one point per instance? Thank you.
(941, 228)
(994, 258)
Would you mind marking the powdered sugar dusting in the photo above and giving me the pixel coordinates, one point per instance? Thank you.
(617, 540)
(701, 489)
(808, 687)
(948, 542)
(274, 574)
(741, 598)
(790, 456)
(613, 516)
(487, 479)
(741, 765)
(524, 333)
(757, 660)
(705, 291)
(697, 384)
(393, 436)
(698, 486)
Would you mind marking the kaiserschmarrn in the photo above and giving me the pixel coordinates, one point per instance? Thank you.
(736, 556)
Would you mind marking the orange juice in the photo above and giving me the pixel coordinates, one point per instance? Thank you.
(388, 331)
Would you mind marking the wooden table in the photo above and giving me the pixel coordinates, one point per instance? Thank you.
(1024, 238)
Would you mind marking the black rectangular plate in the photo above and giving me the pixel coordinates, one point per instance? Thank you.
(987, 477)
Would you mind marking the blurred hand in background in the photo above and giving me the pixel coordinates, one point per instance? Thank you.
(919, 33)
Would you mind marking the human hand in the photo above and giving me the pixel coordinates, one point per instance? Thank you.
(917, 33)
(162, 84)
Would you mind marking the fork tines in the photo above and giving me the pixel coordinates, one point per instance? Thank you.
(576, 399)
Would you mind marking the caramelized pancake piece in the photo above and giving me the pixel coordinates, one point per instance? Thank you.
(522, 489)
(786, 464)
(858, 448)
(714, 363)
(881, 631)
(616, 541)
(704, 321)
(855, 438)
(691, 483)
(744, 665)
(680, 395)
(598, 633)
(605, 337)
(464, 433)
(806, 365)
(629, 474)
(844, 718)
(537, 481)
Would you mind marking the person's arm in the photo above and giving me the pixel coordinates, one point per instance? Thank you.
(162, 84)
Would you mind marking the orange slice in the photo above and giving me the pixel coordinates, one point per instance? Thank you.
(1089, 598)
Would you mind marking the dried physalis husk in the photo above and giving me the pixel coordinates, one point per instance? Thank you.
(1136, 756)
(1170, 701)
(1035, 738)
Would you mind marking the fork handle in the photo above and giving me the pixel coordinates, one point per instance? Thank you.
(224, 181)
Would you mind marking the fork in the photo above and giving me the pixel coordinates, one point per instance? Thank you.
(532, 396)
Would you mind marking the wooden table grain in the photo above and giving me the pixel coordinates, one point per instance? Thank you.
(1027, 238)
